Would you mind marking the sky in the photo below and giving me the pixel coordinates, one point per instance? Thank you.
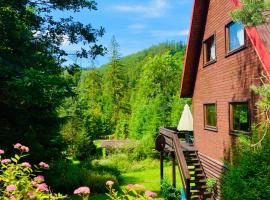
(136, 25)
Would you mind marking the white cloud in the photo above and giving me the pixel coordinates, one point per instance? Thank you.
(153, 9)
(137, 27)
(159, 33)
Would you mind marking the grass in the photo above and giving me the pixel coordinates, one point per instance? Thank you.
(150, 178)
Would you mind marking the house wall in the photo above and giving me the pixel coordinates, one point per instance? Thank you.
(227, 80)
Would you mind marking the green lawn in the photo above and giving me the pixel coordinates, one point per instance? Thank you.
(149, 178)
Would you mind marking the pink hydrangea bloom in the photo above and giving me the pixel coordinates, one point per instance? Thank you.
(82, 191)
(12, 197)
(31, 195)
(4, 161)
(109, 183)
(11, 188)
(43, 187)
(2, 152)
(26, 164)
(44, 165)
(130, 186)
(34, 183)
(150, 194)
(24, 149)
(17, 146)
(39, 179)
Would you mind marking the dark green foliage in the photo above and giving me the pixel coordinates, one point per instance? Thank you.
(31, 82)
(249, 178)
(249, 175)
(65, 176)
(169, 192)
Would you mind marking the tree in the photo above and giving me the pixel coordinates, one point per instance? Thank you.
(114, 104)
(31, 82)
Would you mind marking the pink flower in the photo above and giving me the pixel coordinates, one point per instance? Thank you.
(44, 165)
(4, 161)
(26, 164)
(31, 195)
(11, 188)
(24, 149)
(12, 197)
(150, 194)
(17, 146)
(109, 183)
(39, 179)
(2, 152)
(34, 183)
(43, 187)
(82, 191)
(130, 186)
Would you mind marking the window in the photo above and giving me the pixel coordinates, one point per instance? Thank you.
(235, 36)
(239, 117)
(210, 50)
(210, 116)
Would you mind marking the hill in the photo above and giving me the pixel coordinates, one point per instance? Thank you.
(130, 97)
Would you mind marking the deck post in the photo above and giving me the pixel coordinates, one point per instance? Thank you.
(173, 170)
(161, 166)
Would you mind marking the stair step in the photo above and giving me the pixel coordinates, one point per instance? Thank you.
(201, 181)
(186, 153)
(193, 163)
(200, 188)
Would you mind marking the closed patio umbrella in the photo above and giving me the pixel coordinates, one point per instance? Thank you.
(186, 120)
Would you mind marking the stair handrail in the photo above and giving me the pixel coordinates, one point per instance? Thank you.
(178, 150)
(182, 165)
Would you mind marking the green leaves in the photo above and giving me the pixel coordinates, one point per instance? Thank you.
(251, 13)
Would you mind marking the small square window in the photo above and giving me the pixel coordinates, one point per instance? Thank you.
(239, 117)
(210, 50)
(235, 36)
(210, 116)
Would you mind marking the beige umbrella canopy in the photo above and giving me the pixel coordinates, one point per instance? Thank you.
(186, 120)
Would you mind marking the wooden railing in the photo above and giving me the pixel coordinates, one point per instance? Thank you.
(172, 143)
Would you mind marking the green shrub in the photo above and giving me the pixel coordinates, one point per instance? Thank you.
(169, 192)
(249, 175)
(249, 178)
(65, 176)
(18, 179)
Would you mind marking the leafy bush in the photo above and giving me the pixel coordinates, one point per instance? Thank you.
(169, 192)
(249, 178)
(249, 175)
(70, 176)
(131, 192)
(18, 179)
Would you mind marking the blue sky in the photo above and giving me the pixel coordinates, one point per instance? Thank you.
(136, 24)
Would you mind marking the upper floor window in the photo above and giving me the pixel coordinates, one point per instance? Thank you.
(210, 116)
(239, 117)
(210, 50)
(235, 36)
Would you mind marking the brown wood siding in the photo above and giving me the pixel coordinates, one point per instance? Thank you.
(213, 169)
(227, 80)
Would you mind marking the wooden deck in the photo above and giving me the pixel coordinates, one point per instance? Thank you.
(187, 147)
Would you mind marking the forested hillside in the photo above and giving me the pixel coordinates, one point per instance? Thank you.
(130, 97)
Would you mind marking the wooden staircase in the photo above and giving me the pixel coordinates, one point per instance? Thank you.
(190, 167)
(198, 188)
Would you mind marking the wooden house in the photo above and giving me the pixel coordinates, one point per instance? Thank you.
(223, 59)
